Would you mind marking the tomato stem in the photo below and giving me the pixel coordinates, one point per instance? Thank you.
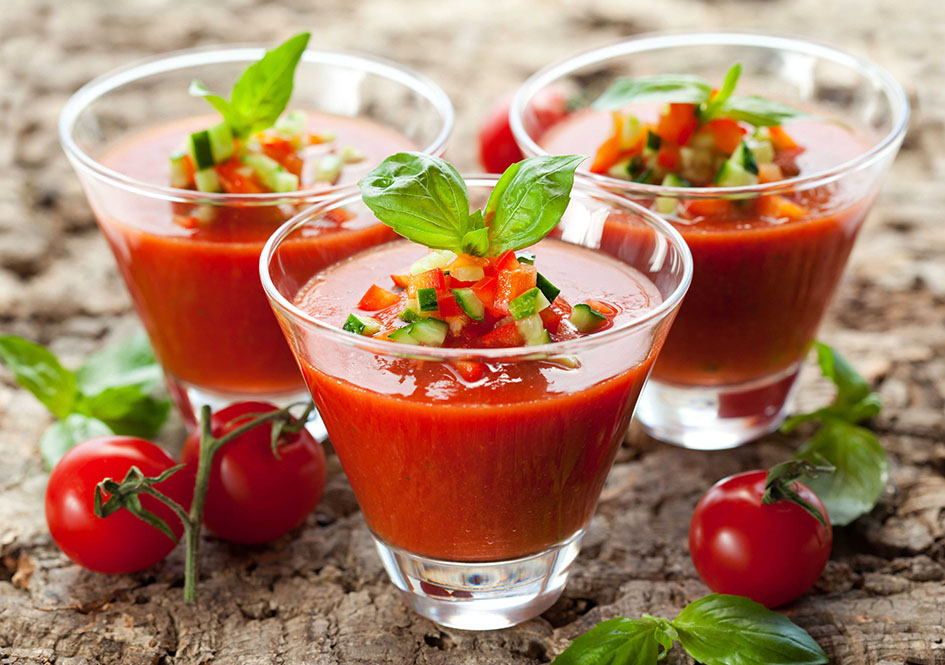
(780, 485)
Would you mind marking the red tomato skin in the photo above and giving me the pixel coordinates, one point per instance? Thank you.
(771, 553)
(119, 543)
(497, 147)
(252, 497)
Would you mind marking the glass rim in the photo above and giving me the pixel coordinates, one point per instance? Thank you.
(389, 348)
(654, 41)
(206, 55)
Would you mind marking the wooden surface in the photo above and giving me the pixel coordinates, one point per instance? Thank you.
(321, 596)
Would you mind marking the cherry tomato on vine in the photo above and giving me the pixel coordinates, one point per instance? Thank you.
(771, 553)
(119, 543)
(254, 496)
(497, 147)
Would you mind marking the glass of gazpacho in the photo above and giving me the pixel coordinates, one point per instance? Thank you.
(476, 394)
(187, 235)
(766, 154)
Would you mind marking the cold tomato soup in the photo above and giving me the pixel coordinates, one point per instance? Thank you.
(193, 270)
(764, 269)
(491, 467)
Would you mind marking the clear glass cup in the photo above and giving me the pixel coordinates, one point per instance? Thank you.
(190, 259)
(478, 492)
(759, 290)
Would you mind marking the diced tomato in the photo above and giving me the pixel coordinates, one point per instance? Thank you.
(607, 310)
(377, 298)
(400, 280)
(507, 335)
(485, 291)
(726, 132)
(431, 279)
(448, 305)
(678, 123)
(506, 261)
(237, 179)
(780, 139)
(552, 315)
(787, 160)
(780, 207)
(282, 151)
(708, 207)
(510, 284)
(468, 260)
(470, 370)
(668, 156)
(769, 173)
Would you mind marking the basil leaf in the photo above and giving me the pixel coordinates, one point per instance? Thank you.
(617, 641)
(128, 363)
(262, 92)
(421, 197)
(127, 410)
(230, 115)
(676, 88)
(35, 368)
(476, 242)
(731, 630)
(861, 469)
(759, 111)
(64, 434)
(529, 200)
(711, 108)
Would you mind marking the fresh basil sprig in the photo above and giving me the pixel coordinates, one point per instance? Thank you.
(262, 91)
(688, 89)
(110, 393)
(424, 199)
(861, 465)
(715, 630)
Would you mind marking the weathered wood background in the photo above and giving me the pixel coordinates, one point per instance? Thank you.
(321, 595)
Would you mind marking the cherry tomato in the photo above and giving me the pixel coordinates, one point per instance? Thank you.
(497, 147)
(770, 553)
(119, 543)
(254, 497)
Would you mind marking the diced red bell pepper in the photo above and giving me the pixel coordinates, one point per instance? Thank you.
(377, 298)
(283, 152)
(448, 305)
(470, 370)
(608, 153)
(780, 139)
(506, 261)
(485, 291)
(604, 308)
(708, 207)
(668, 156)
(726, 132)
(552, 315)
(678, 123)
(233, 180)
(431, 279)
(507, 335)
(780, 207)
(510, 284)
(403, 281)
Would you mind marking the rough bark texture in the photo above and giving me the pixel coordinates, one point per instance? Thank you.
(321, 596)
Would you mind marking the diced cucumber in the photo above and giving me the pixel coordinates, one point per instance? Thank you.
(523, 256)
(291, 126)
(622, 169)
(673, 180)
(468, 273)
(549, 290)
(426, 298)
(328, 168)
(470, 303)
(533, 330)
(666, 205)
(744, 158)
(207, 180)
(198, 145)
(529, 303)
(180, 176)
(653, 141)
(271, 173)
(409, 315)
(644, 177)
(359, 324)
(631, 132)
(731, 174)
(763, 151)
(587, 319)
(437, 258)
(221, 142)
(351, 155)
(429, 332)
(403, 335)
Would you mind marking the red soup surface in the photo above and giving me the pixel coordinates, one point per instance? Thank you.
(197, 289)
(763, 275)
(499, 468)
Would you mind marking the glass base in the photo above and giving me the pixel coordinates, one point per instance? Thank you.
(481, 595)
(717, 417)
(189, 399)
